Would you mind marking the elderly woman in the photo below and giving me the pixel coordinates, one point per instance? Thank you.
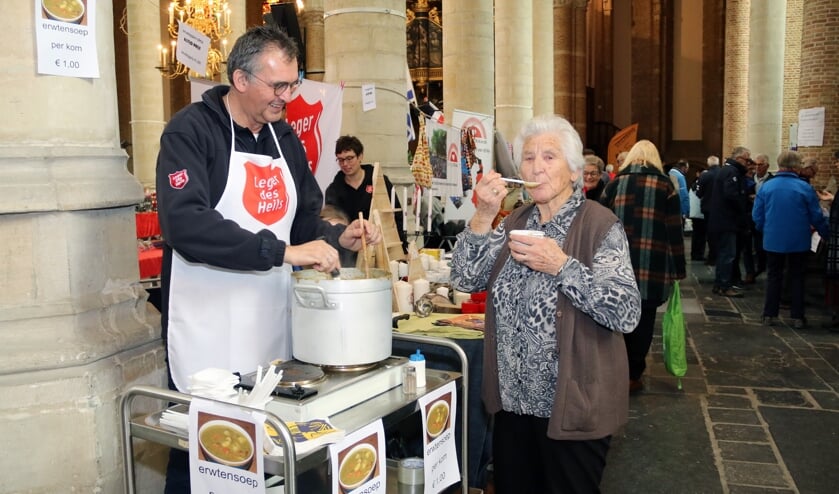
(559, 302)
(648, 205)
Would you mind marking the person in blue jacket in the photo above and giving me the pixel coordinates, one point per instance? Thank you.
(238, 207)
(677, 174)
(786, 210)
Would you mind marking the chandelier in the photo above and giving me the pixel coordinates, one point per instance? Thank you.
(209, 17)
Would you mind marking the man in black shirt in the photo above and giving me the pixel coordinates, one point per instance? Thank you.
(352, 188)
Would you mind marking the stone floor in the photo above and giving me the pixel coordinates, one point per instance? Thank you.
(758, 410)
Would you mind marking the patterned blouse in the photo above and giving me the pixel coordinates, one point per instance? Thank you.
(525, 302)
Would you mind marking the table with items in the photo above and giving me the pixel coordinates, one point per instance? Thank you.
(308, 471)
(466, 331)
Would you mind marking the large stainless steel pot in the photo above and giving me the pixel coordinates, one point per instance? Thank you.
(342, 322)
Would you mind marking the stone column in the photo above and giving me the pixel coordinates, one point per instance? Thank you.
(563, 62)
(74, 328)
(600, 61)
(792, 68)
(578, 58)
(312, 19)
(514, 59)
(766, 78)
(570, 62)
(146, 88)
(543, 62)
(468, 57)
(648, 65)
(357, 56)
(820, 78)
(736, 101)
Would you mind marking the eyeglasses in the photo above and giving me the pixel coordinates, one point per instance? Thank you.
(280, 87)
(346, 159)
(591, 174)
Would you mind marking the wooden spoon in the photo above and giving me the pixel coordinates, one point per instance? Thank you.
(364, 246)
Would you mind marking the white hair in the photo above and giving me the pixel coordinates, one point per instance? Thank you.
(569, 141)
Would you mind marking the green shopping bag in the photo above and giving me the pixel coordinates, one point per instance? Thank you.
(673, 336)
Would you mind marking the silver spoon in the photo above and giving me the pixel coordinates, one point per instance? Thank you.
(525, 183)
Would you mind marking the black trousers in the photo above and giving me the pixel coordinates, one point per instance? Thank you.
(698, 239)
(527, 461)
(638, 341)
(794, 265)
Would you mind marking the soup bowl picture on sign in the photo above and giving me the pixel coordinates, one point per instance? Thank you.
(437, 418)
(64, 10)
(357, 466)
(226, 443)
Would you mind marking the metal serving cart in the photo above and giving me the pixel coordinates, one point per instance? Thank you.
(392, 406)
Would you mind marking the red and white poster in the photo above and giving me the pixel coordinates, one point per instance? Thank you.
(477, 138)
(315, 114)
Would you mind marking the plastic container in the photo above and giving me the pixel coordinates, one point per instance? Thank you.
(479, 296)
(417, 361)
(472, 307)
(411, 476)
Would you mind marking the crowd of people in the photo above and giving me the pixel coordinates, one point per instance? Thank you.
(747, 220)
(567, 326)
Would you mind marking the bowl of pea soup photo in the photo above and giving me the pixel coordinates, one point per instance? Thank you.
(437, 418)
(226, 443)
(357, 467)
(64, 10)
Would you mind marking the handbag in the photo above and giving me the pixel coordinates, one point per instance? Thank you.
(673, 336)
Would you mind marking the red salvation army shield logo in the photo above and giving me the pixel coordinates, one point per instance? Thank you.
(179, 179)
(265, 196)
(305, 119)
(454, 155)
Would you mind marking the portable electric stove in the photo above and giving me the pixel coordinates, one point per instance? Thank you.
(309, 391)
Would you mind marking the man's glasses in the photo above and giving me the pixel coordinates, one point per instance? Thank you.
(346, 159)
(281, 87)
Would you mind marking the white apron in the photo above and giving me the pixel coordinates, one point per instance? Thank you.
(236, 320)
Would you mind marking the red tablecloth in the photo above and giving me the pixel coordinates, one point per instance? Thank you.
(151, 262)
(147, 225)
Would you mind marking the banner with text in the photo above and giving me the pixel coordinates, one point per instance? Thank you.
(439, 409)
(623, 140)
(192, 48)
(225, 448)
(444, 154)
(65, 34)
(477, 143)
(315, 114)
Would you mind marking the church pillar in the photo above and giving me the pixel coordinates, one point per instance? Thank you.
(736, 100)
(146, 88)
(74, 325)
(366, 45)
(766, 78)
(570, 62)
(543, 60)
(468, 57)
(514, 59)
(792, 73)
(820, 78)
(313, 22)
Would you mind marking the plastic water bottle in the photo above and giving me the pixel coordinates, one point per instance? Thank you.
(417, 361)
